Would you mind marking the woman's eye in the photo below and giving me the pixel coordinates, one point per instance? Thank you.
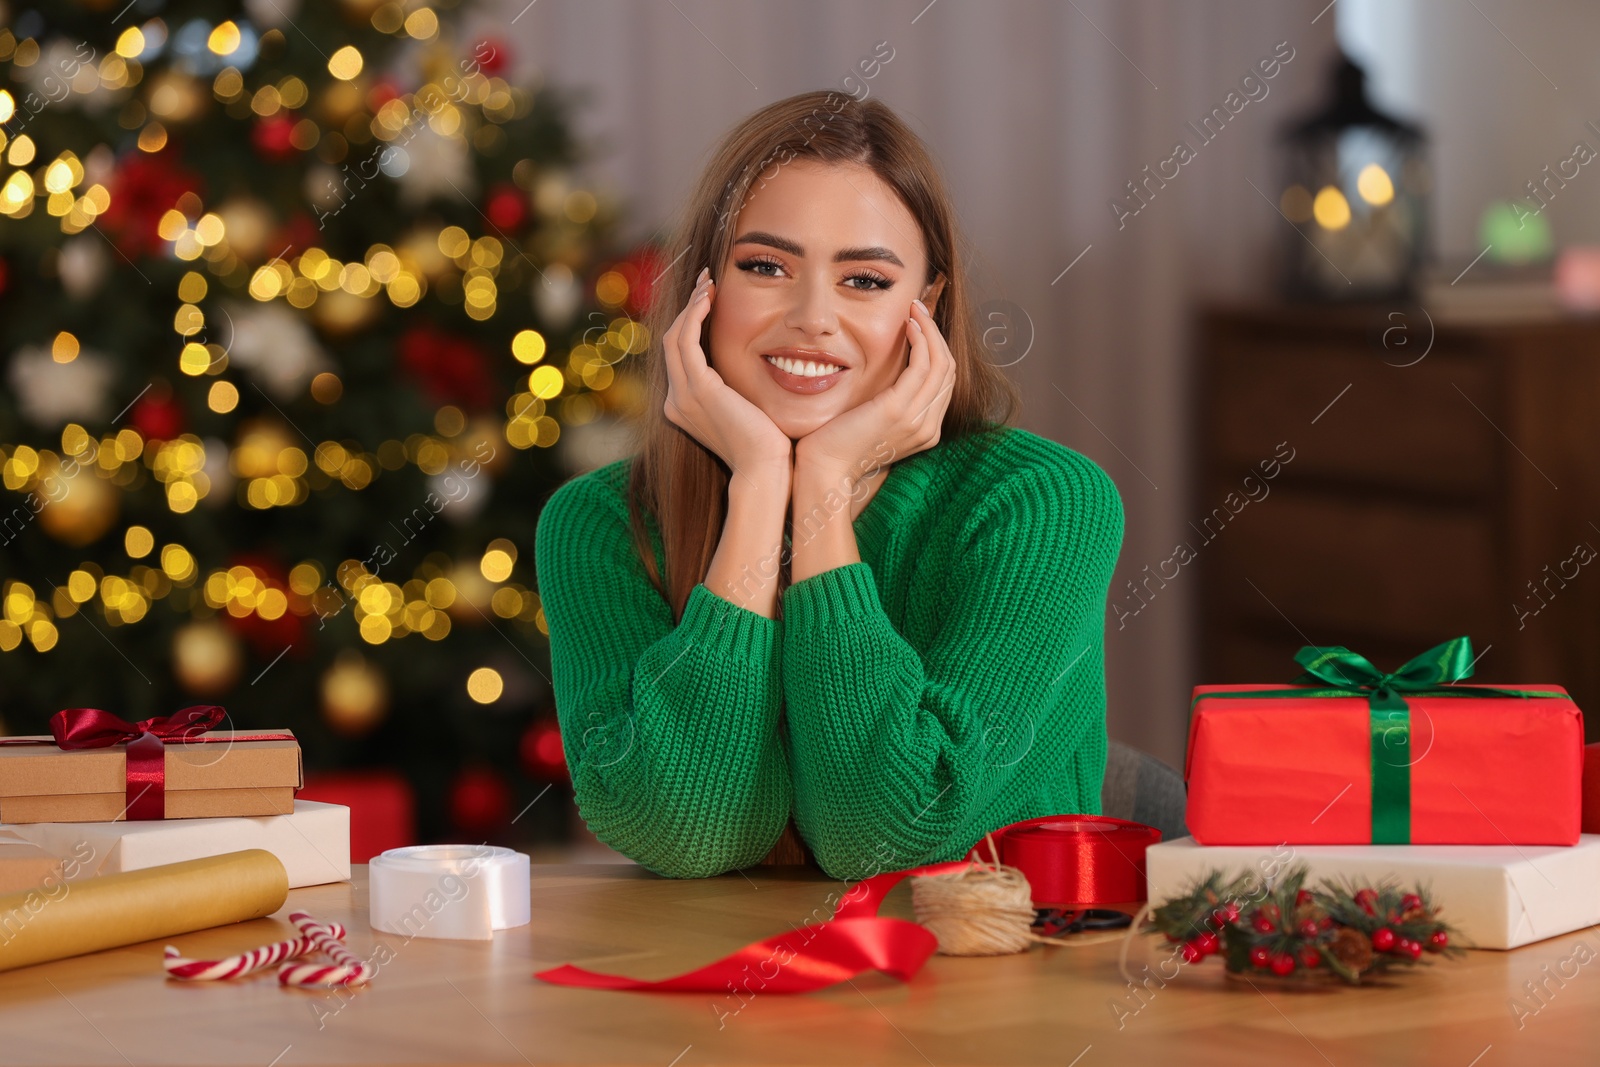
(751, 265)
(878, 282)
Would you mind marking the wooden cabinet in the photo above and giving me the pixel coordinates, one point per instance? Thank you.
(1444, 480)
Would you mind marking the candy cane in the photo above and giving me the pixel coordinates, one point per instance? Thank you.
(347, 969)
(244, 963)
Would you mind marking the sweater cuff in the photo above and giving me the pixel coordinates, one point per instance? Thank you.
(836, 595)
(725, 626)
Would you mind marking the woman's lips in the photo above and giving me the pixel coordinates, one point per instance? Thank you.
(797, 383)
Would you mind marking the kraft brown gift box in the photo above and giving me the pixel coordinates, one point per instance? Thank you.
(220, 777)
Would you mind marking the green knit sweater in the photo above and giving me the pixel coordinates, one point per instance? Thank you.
(951, 682)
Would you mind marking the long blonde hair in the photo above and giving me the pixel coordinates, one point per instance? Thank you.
(677, 480)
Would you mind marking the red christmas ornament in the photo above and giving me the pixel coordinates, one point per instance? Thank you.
(479, 799)
(1438, 940)
(1192, 953)
(267, 637)
(1282, 964)
(644, 269)
(1228, 913)
(144, 186)
(156, 418)
(1208, 944)
(506, 207)
(294, 236)
(1263, 925)
(381, 93)
(1409, 901)
(1260, 956)
(1411, 948)
(1309, 928)
(541, 750)
(1383, 939)
(1302, 898)
(1310, 957)
(491, 54)
(271, 138)
(451, 370)
(1366, 898)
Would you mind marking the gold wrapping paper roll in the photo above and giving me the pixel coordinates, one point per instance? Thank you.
(71, 918)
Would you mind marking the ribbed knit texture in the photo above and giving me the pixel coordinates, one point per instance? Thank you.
(951, 682)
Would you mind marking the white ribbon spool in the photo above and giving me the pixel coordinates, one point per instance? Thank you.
(463, 892)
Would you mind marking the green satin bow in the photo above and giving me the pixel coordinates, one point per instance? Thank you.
(1335, 671)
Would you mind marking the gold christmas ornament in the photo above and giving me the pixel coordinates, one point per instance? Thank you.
(355, 695)
(206, 658)
(84, 513)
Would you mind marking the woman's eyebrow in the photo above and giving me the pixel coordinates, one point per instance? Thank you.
(844, 255)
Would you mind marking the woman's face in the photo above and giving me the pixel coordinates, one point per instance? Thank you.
(824, 265)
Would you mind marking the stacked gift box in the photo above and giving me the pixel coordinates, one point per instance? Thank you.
(99, 795)
(1412, 776)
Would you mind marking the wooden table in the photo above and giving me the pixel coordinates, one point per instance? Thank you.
(460, 1002)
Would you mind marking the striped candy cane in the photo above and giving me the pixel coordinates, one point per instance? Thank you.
(347, 967)
(245, 963)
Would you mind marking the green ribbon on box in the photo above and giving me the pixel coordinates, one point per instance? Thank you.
(1335, 671)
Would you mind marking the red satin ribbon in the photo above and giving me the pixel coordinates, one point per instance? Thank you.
(146, 776)
(1079, 860)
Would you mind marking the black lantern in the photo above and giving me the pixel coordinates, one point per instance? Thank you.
(1356, 188)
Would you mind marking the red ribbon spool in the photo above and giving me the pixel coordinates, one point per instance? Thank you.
(1075, 861)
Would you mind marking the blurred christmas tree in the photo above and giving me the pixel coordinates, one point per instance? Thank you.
(305, 314)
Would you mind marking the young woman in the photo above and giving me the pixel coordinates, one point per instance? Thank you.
(833, 586)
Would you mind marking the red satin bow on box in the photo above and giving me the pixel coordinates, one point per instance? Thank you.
(1069, 860)
(75, 728)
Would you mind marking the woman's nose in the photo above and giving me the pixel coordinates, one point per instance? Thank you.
(812, 308)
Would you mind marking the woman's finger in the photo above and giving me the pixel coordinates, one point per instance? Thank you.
(679, 389)
(938, 360)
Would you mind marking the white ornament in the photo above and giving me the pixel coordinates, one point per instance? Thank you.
(557, 295)
(275, 346)
(82, 266)
(51, 393)
(440, 166)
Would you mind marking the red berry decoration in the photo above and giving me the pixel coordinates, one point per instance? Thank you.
(1310, 957)
(1228, 913)
(1260, 956)
(1302, 898)
(1282, 963)
(1438, 939)
(1263, 925)
(1413, 949)
(1191, 952)
(1366, 898)
(1208, 944)
(1409, 901)
(1309, 928)
(1384, 939)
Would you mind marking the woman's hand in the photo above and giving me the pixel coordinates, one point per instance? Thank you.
(907, 416)
(706, 407)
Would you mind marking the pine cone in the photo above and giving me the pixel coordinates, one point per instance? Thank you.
(1351, 948)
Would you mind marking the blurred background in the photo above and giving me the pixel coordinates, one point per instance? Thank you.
(306, 308)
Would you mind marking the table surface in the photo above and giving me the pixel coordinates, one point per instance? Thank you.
(465, 1002)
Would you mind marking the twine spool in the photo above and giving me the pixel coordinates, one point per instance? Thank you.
(984, 910)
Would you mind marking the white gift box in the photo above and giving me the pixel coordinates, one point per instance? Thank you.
(1497, 896)
(313, 842)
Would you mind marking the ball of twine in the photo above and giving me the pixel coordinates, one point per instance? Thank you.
(982, 910)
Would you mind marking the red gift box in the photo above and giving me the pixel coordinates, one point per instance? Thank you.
(1479, 769)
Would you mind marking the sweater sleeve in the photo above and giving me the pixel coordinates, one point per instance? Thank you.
(670, 731)
(899, 753)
